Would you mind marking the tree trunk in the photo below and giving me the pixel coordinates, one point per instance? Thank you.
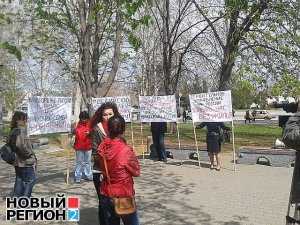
(167, 52)
(77, 102)
(103, 89)
(85, 44)
(226, 69)
(89, 56)
(235, 34)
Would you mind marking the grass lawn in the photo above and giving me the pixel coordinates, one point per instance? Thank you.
(245, 135)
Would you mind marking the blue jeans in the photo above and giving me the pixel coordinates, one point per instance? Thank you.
(109, 217)
(25, 180)
(83, 165)
(158, 142)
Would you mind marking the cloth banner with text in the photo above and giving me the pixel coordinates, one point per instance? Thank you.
(122, 102)
(211, 107)
(49, 115)
(158, 108)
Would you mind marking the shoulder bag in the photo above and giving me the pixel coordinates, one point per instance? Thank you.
(7, 153)
(122, 205)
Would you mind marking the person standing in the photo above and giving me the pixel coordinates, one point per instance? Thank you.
(247, 116)
(158, 130)
(99, 126)
(253, 113)
(213, 141)
(184, 115)
(26, 161)
(83, 148)
(119, 165)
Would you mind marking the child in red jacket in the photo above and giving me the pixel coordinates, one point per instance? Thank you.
(83, 148)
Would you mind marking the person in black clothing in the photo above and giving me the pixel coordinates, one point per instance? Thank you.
(247, 117)
(253, 115)
(184, 116)
(213, 141)
(158, 130)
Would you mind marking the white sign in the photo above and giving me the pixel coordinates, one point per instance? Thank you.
(158, 108)
(211, 107)
(122, 102)
(49, 115)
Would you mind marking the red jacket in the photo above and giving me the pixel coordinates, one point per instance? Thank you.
(82, 140)
(122, 165)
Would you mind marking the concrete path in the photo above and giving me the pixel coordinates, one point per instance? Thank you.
(170, 194)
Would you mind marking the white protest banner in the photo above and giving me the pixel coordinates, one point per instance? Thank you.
(49, 115)
(211, 107)
(158, 108)
(122, 102)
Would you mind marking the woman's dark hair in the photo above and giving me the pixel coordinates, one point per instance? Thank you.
(18, 115)
(84, 115)
(97, 117)
(116, 126)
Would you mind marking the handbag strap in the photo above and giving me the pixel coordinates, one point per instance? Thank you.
(11, 140)
(107, 175)
(106, 170)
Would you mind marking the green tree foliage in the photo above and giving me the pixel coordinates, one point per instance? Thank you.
(91, 33)
(243, 94)
(11, 92)
(262, 33)
(287, 86)
(11, 49)
(5, 45)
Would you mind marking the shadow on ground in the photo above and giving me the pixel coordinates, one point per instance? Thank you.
(166, 199)
(161, 195)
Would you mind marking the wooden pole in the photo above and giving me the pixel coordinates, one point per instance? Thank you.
(64, 143)
(132, 140)
(179, 144)
(142, 142)
(196, 144)
(233, 147)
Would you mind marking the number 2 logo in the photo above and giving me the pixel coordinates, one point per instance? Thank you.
(73, 215)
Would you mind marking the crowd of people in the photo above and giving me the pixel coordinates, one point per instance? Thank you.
(102, 156)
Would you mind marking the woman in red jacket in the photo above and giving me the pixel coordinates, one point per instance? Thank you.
(83, 148)
(122, 166)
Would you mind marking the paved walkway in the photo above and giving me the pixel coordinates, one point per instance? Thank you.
(170, 194)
